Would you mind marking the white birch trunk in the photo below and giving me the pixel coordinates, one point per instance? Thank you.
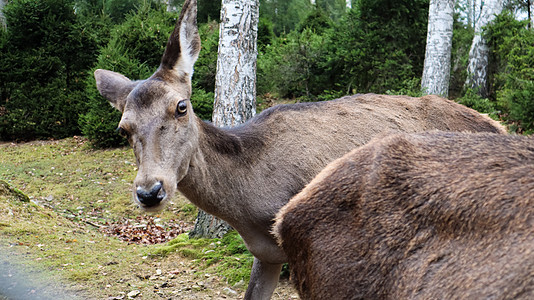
(477, 68)
(235, 83)
(437, 66)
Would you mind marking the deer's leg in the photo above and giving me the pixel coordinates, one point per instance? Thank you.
(263, 280)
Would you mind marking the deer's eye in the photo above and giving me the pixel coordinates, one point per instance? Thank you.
(181, 108)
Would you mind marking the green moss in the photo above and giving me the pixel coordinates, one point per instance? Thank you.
(8, 191)
(227, 256)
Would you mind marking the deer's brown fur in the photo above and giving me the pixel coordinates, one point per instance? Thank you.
(245, 174)
(421, 216)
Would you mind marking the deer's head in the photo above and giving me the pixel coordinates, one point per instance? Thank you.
(157, 116)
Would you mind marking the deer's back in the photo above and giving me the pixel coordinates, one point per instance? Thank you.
(327, 130)
(428, 216)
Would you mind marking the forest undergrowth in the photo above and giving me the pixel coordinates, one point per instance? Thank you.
(80, 235)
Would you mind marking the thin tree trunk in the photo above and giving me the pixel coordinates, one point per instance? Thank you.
(436, 72)
(235, 83)
(477, 68)
(2, 18)
(530, 10)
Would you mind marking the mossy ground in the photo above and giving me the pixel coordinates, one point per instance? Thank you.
(73, 189)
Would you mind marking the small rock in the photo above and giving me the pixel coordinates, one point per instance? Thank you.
(228, 291)
(239, 285)
(133, 294)
(158, 272)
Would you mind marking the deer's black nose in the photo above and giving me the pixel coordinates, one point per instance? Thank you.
(152, 197)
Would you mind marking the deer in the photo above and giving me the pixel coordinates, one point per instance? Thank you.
(246, 173)
(434, 215)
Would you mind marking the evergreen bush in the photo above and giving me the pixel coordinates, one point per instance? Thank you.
(512, 46)
(45, 54)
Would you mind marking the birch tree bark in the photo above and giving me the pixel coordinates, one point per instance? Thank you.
(437, 66)
(477, 68)
(235, 83)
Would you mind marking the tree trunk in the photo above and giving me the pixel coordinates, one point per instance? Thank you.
(477, 68)
(235, 83)
(530, 11)
(2, 18)
(437, 68)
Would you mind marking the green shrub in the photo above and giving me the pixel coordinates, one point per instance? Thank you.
(202, 103)
(291, 66)
(206, 65)
(45, 54)
(378, 46)
(512, 46)
(473, 100)
(409, 87)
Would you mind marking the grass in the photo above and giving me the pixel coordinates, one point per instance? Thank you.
(227, 256)
(73, 189)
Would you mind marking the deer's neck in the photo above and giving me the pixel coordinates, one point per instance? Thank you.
(220, 172)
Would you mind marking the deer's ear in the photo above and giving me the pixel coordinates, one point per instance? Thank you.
(113, 86)
(183, 46)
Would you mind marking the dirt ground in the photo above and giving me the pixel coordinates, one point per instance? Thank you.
(173, 277)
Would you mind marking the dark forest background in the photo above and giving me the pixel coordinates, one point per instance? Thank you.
(49, 50)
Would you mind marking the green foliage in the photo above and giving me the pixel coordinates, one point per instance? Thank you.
(473, 100)
(409, 87)
(115, 10)
(290, 67)
(228, 256)
(284, 15)
(134, 50)
(512, 46)
(335, 9)
(461, 43)
(379, 45)
(265, 33)
(206, 65)
(317, 21)
(208, 10)
(45, 54)
(202, 103)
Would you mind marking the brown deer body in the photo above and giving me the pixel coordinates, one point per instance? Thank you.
(417, 216)
(245, 174)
